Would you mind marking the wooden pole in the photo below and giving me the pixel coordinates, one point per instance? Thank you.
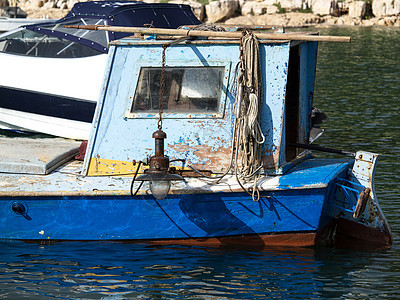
(221, 34)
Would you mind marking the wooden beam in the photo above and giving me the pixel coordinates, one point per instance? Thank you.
(219, 34)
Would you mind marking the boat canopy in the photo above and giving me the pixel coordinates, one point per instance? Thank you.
(52, 39)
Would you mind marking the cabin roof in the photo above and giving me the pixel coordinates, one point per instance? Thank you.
(116, 13)
(161, 15)
(115, 10)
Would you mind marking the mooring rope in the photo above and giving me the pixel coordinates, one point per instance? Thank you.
(250, 137)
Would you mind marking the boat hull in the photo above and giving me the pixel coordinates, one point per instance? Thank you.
(206, 219)
(287, 218)
(51, 114)
(61, 104)
(305, 207)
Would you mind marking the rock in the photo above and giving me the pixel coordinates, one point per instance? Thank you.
(4, 3)
(390, 21)
(253, 8)
(36, 3)
(197, 8)
(324, 7)
(277, 20)
(272, 9)
(382, 8)
(300, 19)
(349, 21)
(329, 20)
(50, 4)
(217, 11)
(381, 22)
(60, 2)
(357, 9)
(71, 3)
(289, 19)
(292, 4)
(368, 22)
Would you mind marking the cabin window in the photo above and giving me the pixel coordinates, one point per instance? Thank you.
(187, 90)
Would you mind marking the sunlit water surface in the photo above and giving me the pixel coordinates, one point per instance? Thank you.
(358, 87)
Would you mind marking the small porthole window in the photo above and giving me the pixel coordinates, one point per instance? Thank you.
(187, 90)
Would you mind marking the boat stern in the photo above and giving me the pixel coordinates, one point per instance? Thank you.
(353, 208)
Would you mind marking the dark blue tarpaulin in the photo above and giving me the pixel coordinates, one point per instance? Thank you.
(116, 13)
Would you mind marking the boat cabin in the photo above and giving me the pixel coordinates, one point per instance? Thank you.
(199, 104)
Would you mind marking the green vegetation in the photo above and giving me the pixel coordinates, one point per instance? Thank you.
(204, 2)
(281, 10)
(305, 10)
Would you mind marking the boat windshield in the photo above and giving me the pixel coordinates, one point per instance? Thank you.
(187, 90)
(54, 40)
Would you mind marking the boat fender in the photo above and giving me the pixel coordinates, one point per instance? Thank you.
(361, 203)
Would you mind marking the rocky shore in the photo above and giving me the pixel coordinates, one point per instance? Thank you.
(258, 12)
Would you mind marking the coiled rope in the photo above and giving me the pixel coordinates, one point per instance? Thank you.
(247, 107)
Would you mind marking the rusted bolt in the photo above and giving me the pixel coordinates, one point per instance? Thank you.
(18, 208)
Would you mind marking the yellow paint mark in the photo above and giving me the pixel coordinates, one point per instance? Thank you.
(106, 167)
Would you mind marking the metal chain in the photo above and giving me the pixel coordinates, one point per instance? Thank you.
(241, 56)
(162, 88)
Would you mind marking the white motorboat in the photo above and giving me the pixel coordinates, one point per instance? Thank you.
(51, 76)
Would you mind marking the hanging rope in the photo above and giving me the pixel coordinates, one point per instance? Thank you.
(250, 136)
(248, 102)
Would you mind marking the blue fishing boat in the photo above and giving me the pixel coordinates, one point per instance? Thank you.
(200, 140)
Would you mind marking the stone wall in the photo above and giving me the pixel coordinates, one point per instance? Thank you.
(265, 12)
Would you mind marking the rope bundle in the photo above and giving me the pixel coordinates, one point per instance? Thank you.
(248, 103)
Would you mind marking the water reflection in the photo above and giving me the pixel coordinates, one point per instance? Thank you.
(129, 271)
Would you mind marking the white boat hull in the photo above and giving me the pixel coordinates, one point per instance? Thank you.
(39, 123)
(49, 95)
